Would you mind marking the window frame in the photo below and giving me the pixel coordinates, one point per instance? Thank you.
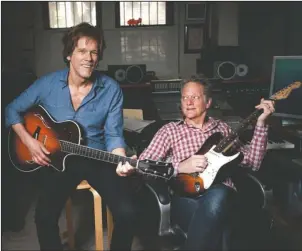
(46, 20)
(169, 17)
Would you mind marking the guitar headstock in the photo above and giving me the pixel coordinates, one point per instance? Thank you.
(156, 169)
(285, 92)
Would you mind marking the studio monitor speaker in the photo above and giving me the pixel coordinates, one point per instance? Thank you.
(228, 70)
(127, 74)
(225, 63)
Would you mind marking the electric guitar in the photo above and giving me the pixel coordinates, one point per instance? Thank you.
(63, 139)
(215, 147)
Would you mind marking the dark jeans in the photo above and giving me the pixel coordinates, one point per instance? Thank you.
(204, 218)
(57, 187)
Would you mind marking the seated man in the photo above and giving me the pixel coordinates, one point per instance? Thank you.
(203, 218)
(94, 101)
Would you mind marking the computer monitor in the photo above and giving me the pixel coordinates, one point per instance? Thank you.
(286, 70)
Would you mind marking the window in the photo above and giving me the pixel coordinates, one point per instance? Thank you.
(152, 13)
(67, 14)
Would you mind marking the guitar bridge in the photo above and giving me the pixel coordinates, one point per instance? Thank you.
(37, 132)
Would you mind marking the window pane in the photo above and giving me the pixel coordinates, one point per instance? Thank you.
(152, 13)
(128, 11)
(86, 12)
(122, 13)
(67, 14)
(93, 13)
(136, 10)
(61, 14)
(145, 13)
(161, 13)
(77, 12)
(53, 21)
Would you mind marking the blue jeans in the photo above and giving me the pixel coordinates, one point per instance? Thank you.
(204, 218)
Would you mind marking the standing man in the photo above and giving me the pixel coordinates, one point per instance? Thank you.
(203, 218)
(95, 102)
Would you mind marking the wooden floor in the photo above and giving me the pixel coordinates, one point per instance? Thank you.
(286, 232)
(26, 239)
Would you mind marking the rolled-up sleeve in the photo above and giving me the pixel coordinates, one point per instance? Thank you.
(114, 123)
(30, 97)
(254, 154)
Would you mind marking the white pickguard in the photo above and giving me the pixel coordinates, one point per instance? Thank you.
(215, 162)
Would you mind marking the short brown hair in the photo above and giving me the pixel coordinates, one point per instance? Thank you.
(72, 36)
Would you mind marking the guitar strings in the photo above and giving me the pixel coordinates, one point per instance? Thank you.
(76, 149)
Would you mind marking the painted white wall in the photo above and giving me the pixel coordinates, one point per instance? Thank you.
(157, 47)
(160, 48)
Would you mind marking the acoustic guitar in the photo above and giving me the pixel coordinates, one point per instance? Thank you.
(63, 139)
(215, 148)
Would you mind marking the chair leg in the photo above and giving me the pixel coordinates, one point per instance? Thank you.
(98, 221)
(109, 225)
(226, 238)
(70, 231)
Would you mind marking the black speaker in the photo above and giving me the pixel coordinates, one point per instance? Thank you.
(128, 74)
(225, 63)
(228, 70)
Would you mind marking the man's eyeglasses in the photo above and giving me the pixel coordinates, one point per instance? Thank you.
(193, 98)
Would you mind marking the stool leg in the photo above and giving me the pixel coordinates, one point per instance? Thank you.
(109, 225)
(70, 232)
(98, 220)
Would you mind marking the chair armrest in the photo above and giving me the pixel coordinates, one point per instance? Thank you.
(260, 187)
(160, 191)
(250, 188)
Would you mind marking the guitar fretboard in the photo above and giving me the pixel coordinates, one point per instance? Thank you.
(85, 151)
(225, 143)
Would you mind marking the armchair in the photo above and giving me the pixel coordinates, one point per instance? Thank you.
(156, 213)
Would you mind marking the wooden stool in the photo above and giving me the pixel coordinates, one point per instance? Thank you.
(98, 219)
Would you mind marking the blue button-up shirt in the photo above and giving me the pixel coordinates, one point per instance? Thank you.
(100, 113)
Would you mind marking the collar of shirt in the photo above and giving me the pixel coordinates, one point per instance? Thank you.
(64, 78)
(210, 124)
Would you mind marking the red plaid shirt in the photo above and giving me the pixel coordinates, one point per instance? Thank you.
(179, 141)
